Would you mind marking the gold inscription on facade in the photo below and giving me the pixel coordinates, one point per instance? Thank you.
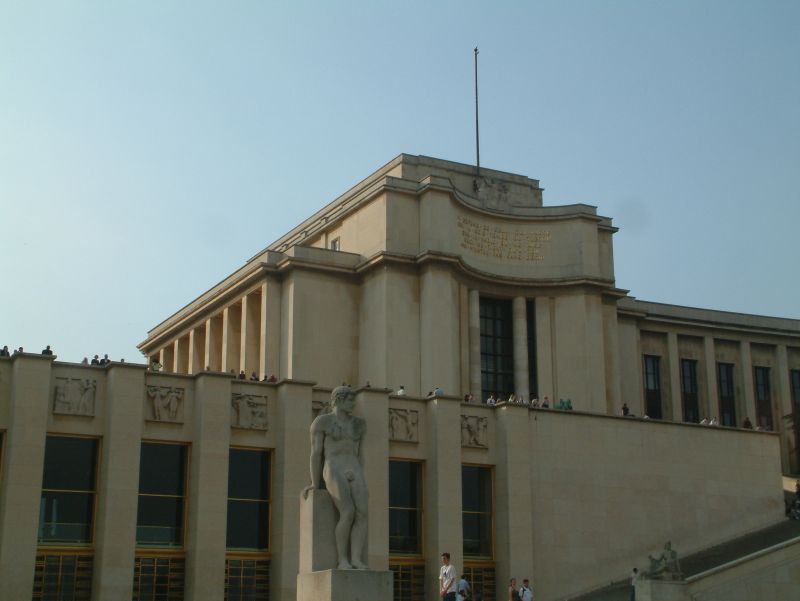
(498, 243)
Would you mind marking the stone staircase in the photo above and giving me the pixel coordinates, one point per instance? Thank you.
(707, 559)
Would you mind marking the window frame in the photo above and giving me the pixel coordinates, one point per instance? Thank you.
(420, 510)
(689, 396)
(66, 547)
(241, 552)
(148, 550)
(730, 379)
(492, 525)
(658, 391)
(505, 358)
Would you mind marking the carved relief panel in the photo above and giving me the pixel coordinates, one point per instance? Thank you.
(74, 396)
(166, 403)
(474, 431)
(404, 425)
(249, 411)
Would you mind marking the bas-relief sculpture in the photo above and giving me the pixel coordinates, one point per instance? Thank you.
(665, 566)
(474, 431)
(74, 396)
(249, 411)
(336, 440)
(404, 425)
(167, 402)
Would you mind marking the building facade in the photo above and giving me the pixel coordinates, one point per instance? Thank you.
(127, 482)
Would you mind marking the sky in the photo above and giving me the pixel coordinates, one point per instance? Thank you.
(148, 149)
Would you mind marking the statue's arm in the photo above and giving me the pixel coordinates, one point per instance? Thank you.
(315, 463)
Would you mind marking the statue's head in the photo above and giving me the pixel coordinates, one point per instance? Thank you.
(344, 397)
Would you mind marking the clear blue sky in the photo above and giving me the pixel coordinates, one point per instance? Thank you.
(147, 149)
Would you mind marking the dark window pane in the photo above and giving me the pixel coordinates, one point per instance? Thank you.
(477, 535)
(66, 517)
(69, 463)
(161, 470)
(248, 474)
(404, 479)
(404, 531)
(497, 348)
(159, 520)
(248, 525)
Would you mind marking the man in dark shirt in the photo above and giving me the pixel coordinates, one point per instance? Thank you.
(95, 360)
(47, 351)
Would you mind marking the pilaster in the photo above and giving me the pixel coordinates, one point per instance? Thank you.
(748, 392)
(117, 499)
(373, 405)
(712, 397)
(23, 465)
(520, 333)
(673, 360)
(475, 344)
(208, 488)
(439, 331)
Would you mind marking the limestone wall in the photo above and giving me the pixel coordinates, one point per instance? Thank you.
(608, 491)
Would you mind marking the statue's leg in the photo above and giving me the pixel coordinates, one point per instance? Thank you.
(340, 495)
(358, 538)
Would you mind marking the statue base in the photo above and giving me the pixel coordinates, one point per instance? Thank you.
(344, 585)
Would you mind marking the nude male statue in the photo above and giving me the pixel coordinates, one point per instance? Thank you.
(335, 452)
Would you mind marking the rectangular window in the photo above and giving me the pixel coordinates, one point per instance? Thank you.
(652, 386)
(63, 577)
(66, 510)
(158, 578)
(763, 400)
(405, 508)
(248, 499)
(162, 495)
(482, 579)
(727, 398)
(246, 579)
(794, 377)
(476, 508)
(533, 384)
(691, 412)
(409, 581)
(497, 348)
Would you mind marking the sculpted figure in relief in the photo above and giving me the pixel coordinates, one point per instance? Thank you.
(403, 424)
(473, 431)
(336, 439)
(166, 400)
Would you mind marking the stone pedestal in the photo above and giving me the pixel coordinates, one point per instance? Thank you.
(318, 519)
(660, 590)
(344, 585)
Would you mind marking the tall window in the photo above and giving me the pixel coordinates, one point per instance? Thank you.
(794, 377)
(405, 508)
(497, 348)
(66, 511)
(763, 400)
(247, 572)
(533, 384)
(476, 508)
(691, 412)
(652, 386)
(248, 499)
(727, 396)
(162, 495)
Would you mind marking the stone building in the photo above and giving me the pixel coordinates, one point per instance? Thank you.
(184, 482)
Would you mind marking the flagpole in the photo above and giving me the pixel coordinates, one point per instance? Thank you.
(477, 132)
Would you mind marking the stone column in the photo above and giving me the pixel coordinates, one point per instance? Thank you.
(513, 499)
(251, 333)
(545, 348)
(270, 327)
(475, 382)
(748, 392)
(231, 337)
(197, 349)
(373, 405)
(290, 476)
(520, 331)
(176, 355)
(712, 393)
(23, 468)
(674, 362)
(208, 488)
(782, 404)
(118, 483)
(213, 350)
(442, 488)
(440, 344)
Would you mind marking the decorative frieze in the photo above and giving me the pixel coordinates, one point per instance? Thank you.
(74, 396)
(474, 431)
(167, 403)
(404, 425)
(249, 411)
